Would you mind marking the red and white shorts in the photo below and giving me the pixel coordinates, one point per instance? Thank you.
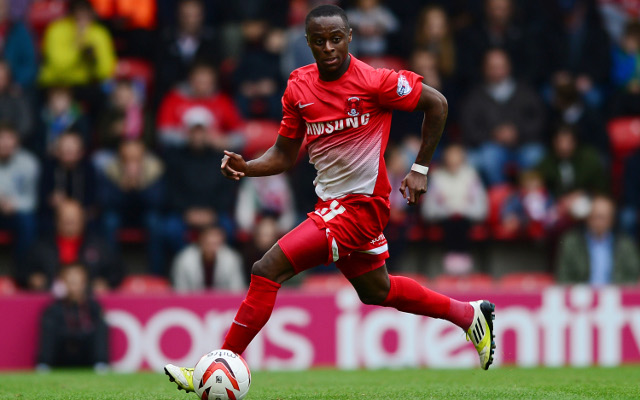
(347, 231)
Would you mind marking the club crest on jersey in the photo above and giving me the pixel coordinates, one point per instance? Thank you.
(403, 86)
(354, 108)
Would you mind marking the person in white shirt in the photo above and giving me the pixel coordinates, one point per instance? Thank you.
(208, 264)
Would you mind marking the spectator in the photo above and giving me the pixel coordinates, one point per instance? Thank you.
(456, 200)
(400, 214)
(181, 46)
(131, 22)
(531, 209)
(197, 195)
(371, 23)
(68, 176)
(569, 108)
(42, 13)
(596, 254)
(631, 195)
(626, 72)
(498, 30)
(14, 106)
(571, 167)
(503, 120)
(296, 51)
(257, 76)
(131, 193)
(17, 48)
(264, 236)
(77, 50)
(434, 36)
(123, 119)
(209, 264)
(19, 175)
(60, 114)
(580, 49)
(68, 245)
(269, 195)
(198, 100)
(73, 332)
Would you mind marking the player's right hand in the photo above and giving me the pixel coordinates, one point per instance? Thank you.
(233, 165)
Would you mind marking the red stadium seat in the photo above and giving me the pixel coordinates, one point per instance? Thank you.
(526, 281)
(5, 237)
(132, 235)
(497, 197)
(624, 135)
(324, 282)
(464, 282)
(390, 62)
(7, 286)
(136, 70)
(260, 135)
(145, 284)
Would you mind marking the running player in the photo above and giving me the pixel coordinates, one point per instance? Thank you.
(343, 108)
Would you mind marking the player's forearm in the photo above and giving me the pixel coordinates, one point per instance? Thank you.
(272, 162)
(432, 127)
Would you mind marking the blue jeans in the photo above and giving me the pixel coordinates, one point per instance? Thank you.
(24, 228)
(491, 159)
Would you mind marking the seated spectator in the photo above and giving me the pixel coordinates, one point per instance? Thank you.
(199, 98)
(531, 208)
(61, 113)
(296, 52)
(626, 72)
(68, 175)
(498, 29)
(77, 50)
(266, 233)
(123, 119)
(371, 23)
(568, 107)
(180, 46)
(208, 264)
(257, 75)
(14, 106)
(455, 201)
(579, 49)
(398, 163)
(502, 120)
(68, 245)
(631, 195)
(571, 170)
(17, 48)
(197, 194)
(131, 194)
(19, 175)
(73, 332)
(132, 24)
(434, 36)
(596, 254)
(268, 195)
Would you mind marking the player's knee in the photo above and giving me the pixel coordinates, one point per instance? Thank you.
(374, 297)
(262, 268)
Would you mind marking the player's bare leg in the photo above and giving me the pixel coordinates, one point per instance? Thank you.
(405, 294)
(254, 312)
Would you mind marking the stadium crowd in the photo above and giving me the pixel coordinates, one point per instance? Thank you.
(114, 113)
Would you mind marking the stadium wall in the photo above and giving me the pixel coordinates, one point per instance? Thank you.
(576, 326)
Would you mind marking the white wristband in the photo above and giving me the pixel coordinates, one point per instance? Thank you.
(421, 169)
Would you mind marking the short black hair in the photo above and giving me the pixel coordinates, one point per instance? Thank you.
(326, 10)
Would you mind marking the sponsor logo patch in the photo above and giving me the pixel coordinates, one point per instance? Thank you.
(403, 86)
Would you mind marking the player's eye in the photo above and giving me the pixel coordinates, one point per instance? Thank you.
(319, 42)
(337, 39)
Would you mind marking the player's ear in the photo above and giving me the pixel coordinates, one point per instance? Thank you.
(350, 34)
(307, 39)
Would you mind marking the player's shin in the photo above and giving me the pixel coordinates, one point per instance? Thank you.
(253, 314)
(409, 296)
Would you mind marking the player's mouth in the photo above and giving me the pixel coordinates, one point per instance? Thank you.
(331, 61)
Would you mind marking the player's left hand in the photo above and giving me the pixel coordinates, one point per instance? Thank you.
(417, 185)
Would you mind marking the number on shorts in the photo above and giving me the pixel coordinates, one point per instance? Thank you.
(334, 210)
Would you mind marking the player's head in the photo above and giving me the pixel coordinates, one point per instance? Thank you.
(328, 36)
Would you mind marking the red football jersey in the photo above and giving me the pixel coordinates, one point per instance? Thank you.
(346, 123)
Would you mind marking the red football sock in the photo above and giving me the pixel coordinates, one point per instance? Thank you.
(409, 296)
(253, 314)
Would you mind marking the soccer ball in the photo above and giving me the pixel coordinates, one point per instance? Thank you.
(221, 375)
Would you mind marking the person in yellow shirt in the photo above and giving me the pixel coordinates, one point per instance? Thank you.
(77, 50)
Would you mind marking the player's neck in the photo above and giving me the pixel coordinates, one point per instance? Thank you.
(337, 74)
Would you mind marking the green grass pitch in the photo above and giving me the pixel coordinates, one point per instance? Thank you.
(499, 383)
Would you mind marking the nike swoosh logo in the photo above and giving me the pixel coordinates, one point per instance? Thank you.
(304, 105)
